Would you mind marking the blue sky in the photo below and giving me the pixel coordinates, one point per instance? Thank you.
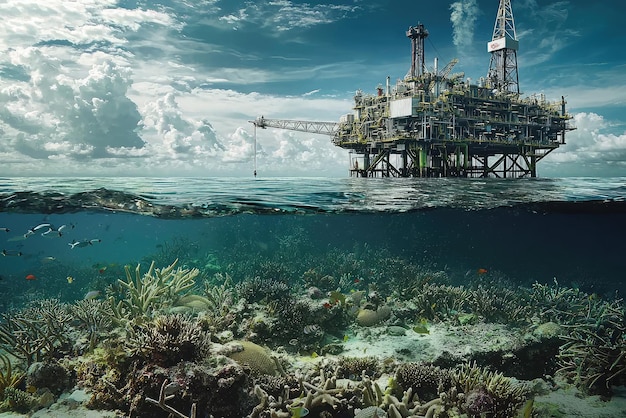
(158, 88)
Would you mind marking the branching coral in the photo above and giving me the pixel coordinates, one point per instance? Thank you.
(170, 339)
(259, 289)
(95, 316)
(439, 302)
(498, 304)
(158, 288)
(560, 304)
(37, 331)
(594, 354)
(488, 389)
(355, 367)
(422, 378)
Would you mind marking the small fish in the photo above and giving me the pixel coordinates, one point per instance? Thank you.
(34, 229)
(314, 355)
(345, 338)
(31, 389)
(4, 229)
(84, 243)
(11, 253)
(311, 329)
(70, 279)
(53, 232)
(481, 271)
(31, 277)
(47, 260)
(299, 412)
(421, 329)
(293, 341)
(102, 270)
(357, 280)
(92, 294)
(327, 305)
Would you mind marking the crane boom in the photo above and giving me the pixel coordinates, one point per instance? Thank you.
(326, 128)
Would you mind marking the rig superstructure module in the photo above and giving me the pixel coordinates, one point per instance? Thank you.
(436, 124)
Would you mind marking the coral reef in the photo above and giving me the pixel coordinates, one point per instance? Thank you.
(94, 316)
(263, 289)
(9, 377)
(156, 289)
(594, 354)
(50, 375)
(355, 367)
(37, 332)
(170, 339)
(423, 379)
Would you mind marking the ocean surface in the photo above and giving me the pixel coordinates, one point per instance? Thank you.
(65, 237)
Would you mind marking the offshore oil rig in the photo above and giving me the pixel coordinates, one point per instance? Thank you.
(436, 124)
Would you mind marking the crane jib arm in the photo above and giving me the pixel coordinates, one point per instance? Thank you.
(326, 128)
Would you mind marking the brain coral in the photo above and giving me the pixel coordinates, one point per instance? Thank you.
(255, 357)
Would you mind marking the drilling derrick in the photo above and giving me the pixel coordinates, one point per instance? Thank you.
(417, 34)
(503, 47)
(436, 124)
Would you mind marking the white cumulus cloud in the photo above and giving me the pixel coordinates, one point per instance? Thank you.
(594, 148)
(463, 17)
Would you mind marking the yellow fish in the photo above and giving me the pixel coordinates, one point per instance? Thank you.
(70, 279)
(314, 355)
(345, 338)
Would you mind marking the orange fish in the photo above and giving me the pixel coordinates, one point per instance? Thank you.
(31, 277)
(357, 280)
(327, 305)
(481, 271)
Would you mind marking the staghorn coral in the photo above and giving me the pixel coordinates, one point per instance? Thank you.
(563, 305)
(170, 339)
(355, 367)
(594, 354)
(422, 378)
(262, 289)
(440, 302)
(156, 289)
(94, 316)
(499, 304)
(220, 297)
(36, 332)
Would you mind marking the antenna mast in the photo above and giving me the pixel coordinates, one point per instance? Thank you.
(503, 47)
